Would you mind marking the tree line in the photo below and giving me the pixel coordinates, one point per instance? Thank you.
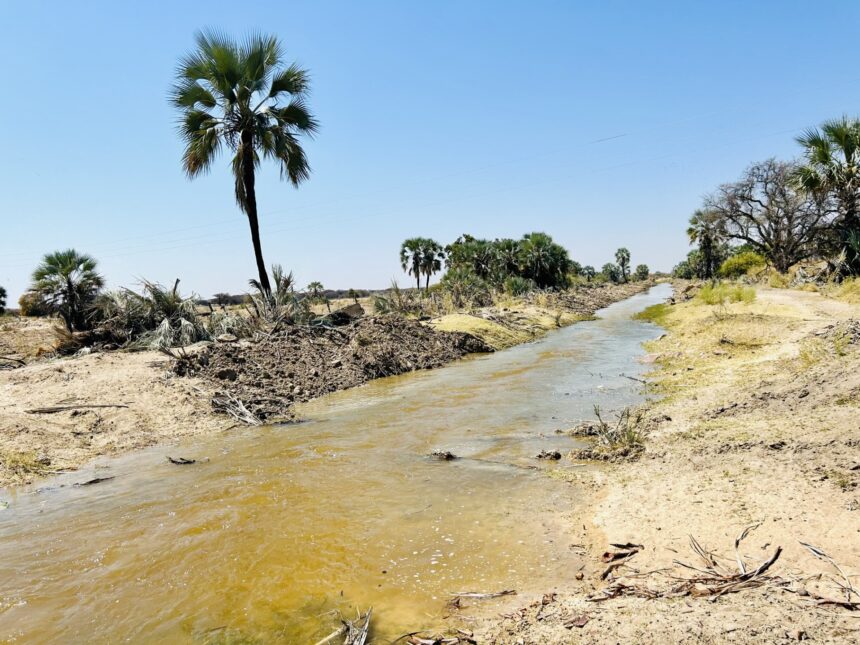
(780, 213)
(534, 261)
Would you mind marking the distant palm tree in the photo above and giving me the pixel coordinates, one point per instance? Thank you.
(412, 258)
(68, 283)
(2, 300)
(833, 168)
(622, 257)
(232, 95)
(705, 229)
(316, 292)
(588, 272)
(432, 254)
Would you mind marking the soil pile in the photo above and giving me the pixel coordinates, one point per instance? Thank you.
(301, 363)
(586, 300)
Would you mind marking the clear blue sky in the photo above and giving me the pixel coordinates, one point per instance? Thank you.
(602, 124)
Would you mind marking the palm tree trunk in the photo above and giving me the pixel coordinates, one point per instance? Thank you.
(251, 208)
(427, 282)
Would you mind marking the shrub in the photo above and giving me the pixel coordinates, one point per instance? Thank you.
(2, 300)
(33, 304)
(720, 293)
(642, 272)
(741, 264)
(517, 286)
(466, 289)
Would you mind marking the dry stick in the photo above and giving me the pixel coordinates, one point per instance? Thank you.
(63, 408)
(821, 555)
(13, 360)
(340, 630)
(476, 594)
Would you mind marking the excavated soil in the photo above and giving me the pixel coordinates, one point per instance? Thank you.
(301, 363)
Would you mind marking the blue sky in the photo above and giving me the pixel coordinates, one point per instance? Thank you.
(602, 124)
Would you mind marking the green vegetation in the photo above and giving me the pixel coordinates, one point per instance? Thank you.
(421, 256)
(655, 313)
(67, 283)
(240, 96)
(2, 300)
(741, 264)
(316, 295)
(622, 257)
(611, 272)
(832, 172)
(588, 273)
(720, 293)
(535, 257)
(785, 212)
(642, 272)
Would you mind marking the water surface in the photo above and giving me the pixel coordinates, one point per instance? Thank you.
(279, 526)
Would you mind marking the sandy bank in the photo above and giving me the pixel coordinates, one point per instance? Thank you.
(762, 430)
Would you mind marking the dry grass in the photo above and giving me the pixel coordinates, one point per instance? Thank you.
(21, 466)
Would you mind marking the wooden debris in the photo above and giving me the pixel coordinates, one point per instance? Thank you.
(181, 461)
(63, 408)
(553, 455)
(480, 596)
(443, 455)
(229, 404)
(357, 631)
(578, 621)
(95, 480)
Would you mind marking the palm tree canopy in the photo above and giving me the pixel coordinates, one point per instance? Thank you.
(242, 96)
(57, 270)
(833, 161)
(411, 255)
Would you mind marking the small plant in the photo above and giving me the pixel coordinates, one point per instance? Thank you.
(624, 437)
(517, 286)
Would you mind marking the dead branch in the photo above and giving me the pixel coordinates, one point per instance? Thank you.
(481, 596)
(229, 404)
(64, 408)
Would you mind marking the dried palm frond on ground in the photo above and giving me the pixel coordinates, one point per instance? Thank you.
(714, 577)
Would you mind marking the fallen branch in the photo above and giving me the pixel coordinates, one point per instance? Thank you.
(479, 595)
(356, 632)
(229, 404)
(63, 408)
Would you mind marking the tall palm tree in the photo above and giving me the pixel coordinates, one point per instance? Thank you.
(622, 257)
(316, 293)
(705, 230)
(543, 261)
(68, 283)
(833, 168)
(241, 96)
(412, 258)
(432, 255)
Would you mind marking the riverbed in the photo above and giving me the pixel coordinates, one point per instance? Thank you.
(274, 530)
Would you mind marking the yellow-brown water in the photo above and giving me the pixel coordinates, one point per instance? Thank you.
(274, 528)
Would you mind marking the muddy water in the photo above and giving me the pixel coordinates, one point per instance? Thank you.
(274, 528)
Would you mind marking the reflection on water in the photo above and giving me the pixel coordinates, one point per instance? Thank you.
(281, 525)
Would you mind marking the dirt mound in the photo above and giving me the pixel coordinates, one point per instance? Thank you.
(301, 363)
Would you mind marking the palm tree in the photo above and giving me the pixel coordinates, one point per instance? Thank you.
(588, 272)
(316, 293)
(543, 261)
(622, 257)
(833, 168)
(240, 96)
(68, 283)
(412, 258)
(2, 300)
(706, 229)
(432, 255)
